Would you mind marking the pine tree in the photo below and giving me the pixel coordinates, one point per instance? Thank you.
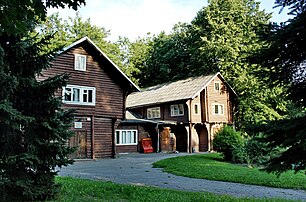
(285, 59)
(33, 127)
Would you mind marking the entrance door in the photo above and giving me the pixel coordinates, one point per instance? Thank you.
(203, 137)
(79, 141)
(181, 138)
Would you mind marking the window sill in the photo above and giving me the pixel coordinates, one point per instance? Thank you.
(79, 103)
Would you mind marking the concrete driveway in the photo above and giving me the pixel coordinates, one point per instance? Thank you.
(137, 169)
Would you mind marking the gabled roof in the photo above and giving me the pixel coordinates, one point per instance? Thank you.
(100, 52)
(174, 91)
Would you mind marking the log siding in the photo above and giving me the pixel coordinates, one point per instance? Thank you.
(100, 120)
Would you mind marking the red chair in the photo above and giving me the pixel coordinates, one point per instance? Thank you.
(146, 145)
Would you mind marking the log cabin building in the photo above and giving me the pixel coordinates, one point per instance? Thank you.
(179, 116)
(97, 90)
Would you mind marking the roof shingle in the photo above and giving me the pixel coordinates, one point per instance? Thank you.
(167, 92)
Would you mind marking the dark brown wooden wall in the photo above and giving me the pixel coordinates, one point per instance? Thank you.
(222, 97)
(86, 126)
(103, 138)
(109, 94)
(110, 97)
(145, 130)
(165, 112)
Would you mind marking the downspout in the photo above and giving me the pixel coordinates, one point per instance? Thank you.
(114, 119)
(93, 136)
(190, 127)
(207, 120)
(157, 130)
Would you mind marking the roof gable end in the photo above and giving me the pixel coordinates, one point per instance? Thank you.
(96, 48)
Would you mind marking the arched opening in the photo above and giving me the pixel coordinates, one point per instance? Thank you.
(203, 137)
(181, 138)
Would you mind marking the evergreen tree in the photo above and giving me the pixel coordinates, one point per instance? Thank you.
(33, 128)
(285, 61)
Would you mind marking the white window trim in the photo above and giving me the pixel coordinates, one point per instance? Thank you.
(213, 109)
(76, 61)
(215, 86)
(194, 111)
(172, 110)
(120, 137)
(82, 88)
(151, 109)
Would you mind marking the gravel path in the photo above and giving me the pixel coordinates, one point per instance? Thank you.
(137, 169)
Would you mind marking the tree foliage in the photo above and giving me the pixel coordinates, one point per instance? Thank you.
(226, 140)
(285, 59)
(221, 37)
(65, 32)
(33, 127)
(227, 33)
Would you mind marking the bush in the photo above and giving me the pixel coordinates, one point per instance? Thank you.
(226, 140)
(254, 151)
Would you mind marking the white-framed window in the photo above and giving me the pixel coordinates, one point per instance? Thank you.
(80, 95)
(153, 113)
(217, 86)
(196, 109)
(217, 109)
(126, 137)
(177, 110)
(80, 62)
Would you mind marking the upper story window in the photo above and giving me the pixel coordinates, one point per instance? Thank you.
(81, 95)
(217, 109)
(177, 110)
(80, 62)
(196, 109)
(153, 113)
(217, 86)
(126, 137)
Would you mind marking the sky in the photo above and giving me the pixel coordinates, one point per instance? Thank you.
(136, 18)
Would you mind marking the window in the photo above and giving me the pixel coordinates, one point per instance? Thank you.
(217, 109)
(153, 113)
(80, 95)
(217, 86)
(177, 110)
(80, 62)
(196, 108)
(126, 137)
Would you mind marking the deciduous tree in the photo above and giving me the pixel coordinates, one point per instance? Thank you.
(221, 37)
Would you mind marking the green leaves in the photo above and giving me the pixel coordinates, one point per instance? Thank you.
(284, 59)
(223, 37)
(33, 127)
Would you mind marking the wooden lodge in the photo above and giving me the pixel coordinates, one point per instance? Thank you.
(179, 116)
(97, 90)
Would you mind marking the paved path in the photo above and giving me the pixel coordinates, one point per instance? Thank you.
(137, 169)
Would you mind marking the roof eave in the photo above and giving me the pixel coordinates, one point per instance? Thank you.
(217, 74)
(156, 103)
(101, 52)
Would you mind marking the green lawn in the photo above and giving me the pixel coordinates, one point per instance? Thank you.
(75, 190)
(211, 167)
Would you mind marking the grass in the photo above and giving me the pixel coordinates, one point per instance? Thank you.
(211, 167)
(75, 190)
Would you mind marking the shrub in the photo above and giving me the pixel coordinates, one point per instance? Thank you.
(253, 150)
(226, 140)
